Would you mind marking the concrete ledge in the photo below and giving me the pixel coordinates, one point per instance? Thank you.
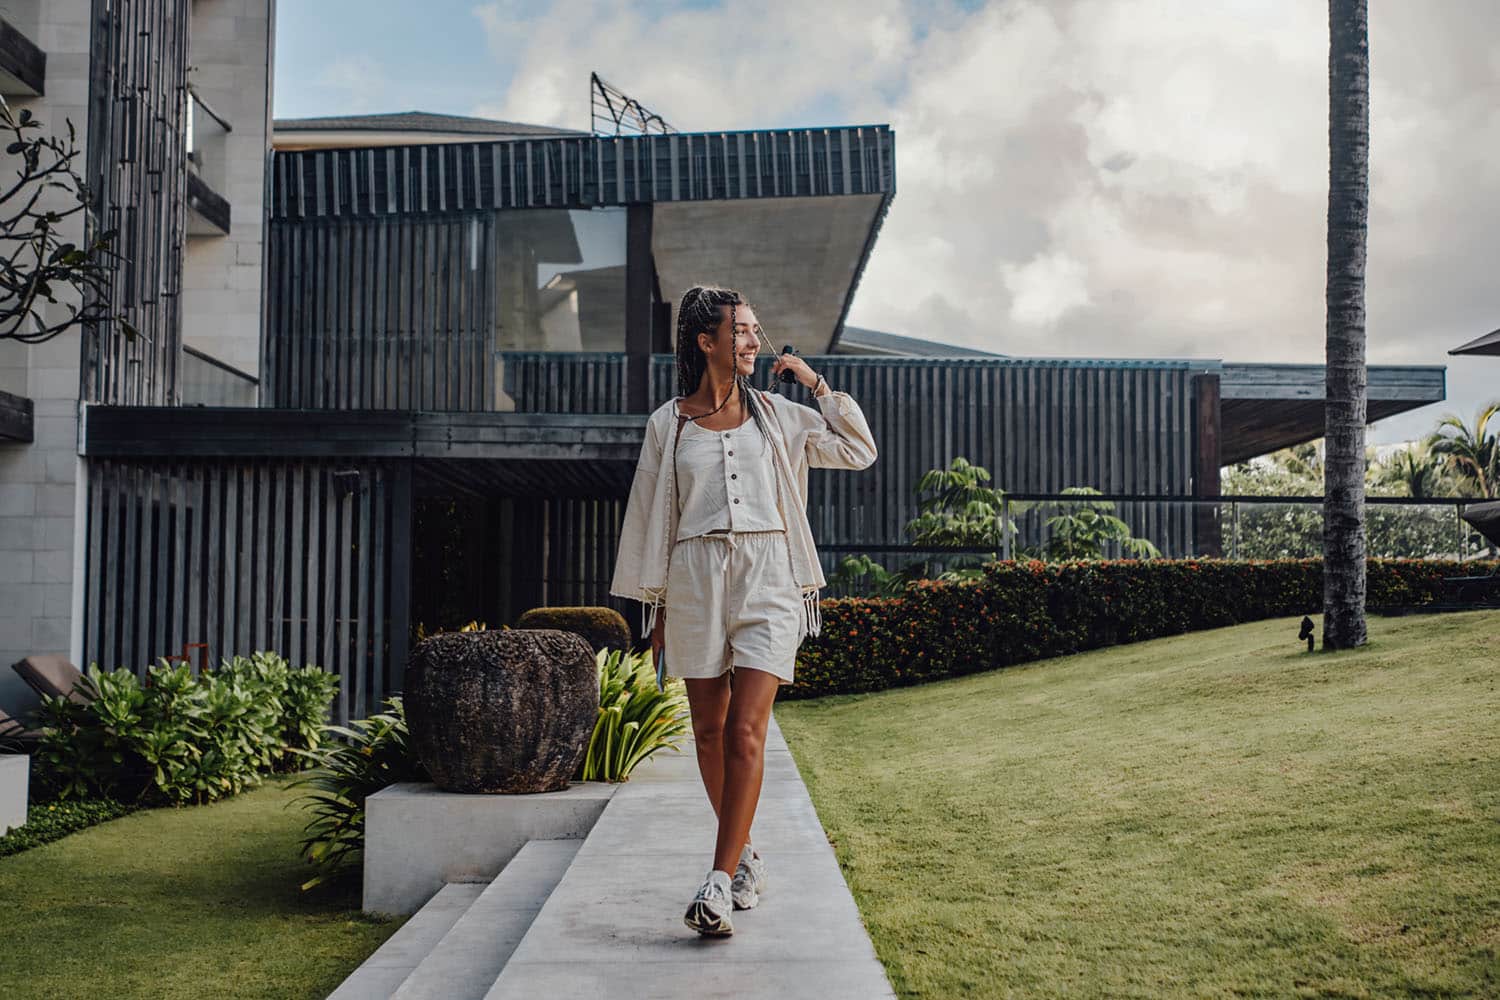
(417, 838)
(15, 776)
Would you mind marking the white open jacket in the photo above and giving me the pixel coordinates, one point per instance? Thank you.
(834, 436)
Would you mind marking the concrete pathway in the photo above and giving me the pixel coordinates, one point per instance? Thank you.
(612, 928)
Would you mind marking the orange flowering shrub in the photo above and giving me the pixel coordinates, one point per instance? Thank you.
(1023, 611)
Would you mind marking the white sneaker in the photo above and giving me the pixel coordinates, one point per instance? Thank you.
(749, 879)
(709, 911)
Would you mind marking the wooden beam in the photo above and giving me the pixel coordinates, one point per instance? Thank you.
(400, 570)
(15, 418)
(640, 278)
(1207, 433)
(23, 66)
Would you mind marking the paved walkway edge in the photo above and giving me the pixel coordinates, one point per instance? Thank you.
(612, 928)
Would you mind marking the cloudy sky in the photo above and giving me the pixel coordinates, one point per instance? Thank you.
(1102, 178)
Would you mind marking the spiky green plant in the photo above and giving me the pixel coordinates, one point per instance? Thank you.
(353, 763)
(635, 719)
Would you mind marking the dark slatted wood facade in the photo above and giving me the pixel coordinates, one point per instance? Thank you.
(581, 172)
(381, 314)
(240, 556)
(137, 168)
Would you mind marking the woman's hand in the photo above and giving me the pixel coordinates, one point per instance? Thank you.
(799, 368)
(658, 634)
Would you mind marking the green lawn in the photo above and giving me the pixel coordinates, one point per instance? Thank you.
(1217, 814)
(193, 903)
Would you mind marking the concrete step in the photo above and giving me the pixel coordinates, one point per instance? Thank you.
(380, 974)
(466, 962)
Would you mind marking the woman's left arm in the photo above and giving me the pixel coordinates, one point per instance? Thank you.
(841, 439)
(844, 441)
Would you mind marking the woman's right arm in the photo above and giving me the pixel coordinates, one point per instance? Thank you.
(626, 581)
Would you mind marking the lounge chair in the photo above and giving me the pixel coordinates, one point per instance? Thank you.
(52, 674)
(12, 732)
(1483, 589)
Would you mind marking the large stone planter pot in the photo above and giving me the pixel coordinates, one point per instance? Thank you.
(503, 711)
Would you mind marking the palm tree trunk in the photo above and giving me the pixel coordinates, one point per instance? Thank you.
(1344, 414)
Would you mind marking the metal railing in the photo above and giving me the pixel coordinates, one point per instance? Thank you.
(1059, 527)
(204, 380)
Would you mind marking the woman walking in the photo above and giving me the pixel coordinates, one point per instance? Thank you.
(717, 548)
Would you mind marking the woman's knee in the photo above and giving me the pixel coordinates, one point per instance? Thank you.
(744, 738)
(708, 732)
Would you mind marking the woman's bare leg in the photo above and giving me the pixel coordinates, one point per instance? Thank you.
(708, 700)
(743, 743)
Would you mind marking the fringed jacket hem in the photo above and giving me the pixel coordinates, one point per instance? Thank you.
(833, 436)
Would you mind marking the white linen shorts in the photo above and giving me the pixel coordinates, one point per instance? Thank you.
(732, 602)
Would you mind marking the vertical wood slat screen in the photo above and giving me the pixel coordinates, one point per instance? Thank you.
(1038, 426)
(381, 314)
(137, 173)
(243, 556)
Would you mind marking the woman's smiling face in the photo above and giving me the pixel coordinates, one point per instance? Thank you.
(746, 340)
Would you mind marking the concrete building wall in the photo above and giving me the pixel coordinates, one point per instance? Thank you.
(37, 480)
(41, 526)
(221, 282)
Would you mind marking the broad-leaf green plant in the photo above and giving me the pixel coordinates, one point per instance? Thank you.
(1083, 528)
(635, 719)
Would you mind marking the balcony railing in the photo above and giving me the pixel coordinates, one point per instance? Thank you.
(208, 168)
(204, 380)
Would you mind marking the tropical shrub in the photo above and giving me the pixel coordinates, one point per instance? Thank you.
(635, 719)
(602, 628)
(1024, 611)
(351, 763)
(1087, 528)
(177, 738)
(305, 695)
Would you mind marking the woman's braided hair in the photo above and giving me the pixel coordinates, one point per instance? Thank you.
(699, 312)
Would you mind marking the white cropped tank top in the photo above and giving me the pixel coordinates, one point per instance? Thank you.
(725, 481)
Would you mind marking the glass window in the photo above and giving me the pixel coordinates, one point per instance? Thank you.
(560, 280)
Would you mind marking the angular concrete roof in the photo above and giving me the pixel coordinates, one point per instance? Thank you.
(1488, 344)
(863, 342)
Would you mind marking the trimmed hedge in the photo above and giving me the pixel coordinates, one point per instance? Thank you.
(1023, 611)
(601, 627)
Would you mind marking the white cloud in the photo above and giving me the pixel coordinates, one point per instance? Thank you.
(1045, 289)
(1091, 177)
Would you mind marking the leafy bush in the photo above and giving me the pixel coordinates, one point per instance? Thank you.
(601, 628)
(635, 719)
(1085, 528)
(1023, 611)
(179, 738)
(352, 763)
(305, 695)
(55, 820)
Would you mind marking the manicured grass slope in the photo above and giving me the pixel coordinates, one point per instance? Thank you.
(168, 903)
(1217, 814)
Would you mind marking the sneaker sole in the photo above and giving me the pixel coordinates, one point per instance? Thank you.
(703, 920)
(740, 900)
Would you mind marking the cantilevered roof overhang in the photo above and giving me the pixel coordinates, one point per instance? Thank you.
(1265, 407)
(786, 216)
(1488, 344)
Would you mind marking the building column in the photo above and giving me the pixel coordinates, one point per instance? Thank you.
(640, 318)
(1207, 432)
(400, 570)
